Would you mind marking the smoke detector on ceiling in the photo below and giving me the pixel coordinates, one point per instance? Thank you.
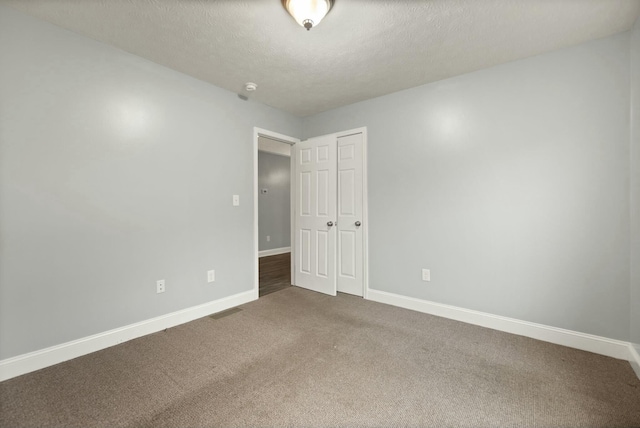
(250, 86)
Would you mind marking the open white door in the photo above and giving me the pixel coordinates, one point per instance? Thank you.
(315, 231)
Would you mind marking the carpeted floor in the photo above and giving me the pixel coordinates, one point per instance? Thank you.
(298, 358)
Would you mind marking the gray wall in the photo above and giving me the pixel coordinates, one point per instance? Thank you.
(510, 184)
(115, 172)
(635, 186)
(274, 207)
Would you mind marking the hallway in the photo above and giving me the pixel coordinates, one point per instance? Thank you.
(275, 273)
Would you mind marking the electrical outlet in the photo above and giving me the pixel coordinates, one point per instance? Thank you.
(211, 276)
(426, 275)
(268, 238)
(160, 286)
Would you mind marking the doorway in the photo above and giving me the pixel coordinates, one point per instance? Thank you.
(272, 211)
(343, 238)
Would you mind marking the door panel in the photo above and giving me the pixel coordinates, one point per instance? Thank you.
(350, 196)
(322, 253)
(305, 251)
(305, 199)
(323, 193)
(347, 260)
(347, 200)
(316, 173)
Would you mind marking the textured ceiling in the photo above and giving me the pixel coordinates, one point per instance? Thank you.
(362, 49)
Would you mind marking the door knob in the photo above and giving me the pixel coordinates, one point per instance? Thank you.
(329, 223)
(358, 224)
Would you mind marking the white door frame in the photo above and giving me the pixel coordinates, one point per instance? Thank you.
(259, 132)
(365, 202)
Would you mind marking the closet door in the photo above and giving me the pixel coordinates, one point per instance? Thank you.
(350, 201)
(315, 230)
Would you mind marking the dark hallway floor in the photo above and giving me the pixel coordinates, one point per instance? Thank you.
(275, 273)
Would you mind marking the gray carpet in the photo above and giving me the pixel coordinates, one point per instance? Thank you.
(298, 358)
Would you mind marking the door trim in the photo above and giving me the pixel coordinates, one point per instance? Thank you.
(258, 132)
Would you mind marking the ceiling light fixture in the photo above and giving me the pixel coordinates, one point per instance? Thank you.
(308, 13)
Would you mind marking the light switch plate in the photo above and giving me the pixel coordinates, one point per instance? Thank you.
(236, 200)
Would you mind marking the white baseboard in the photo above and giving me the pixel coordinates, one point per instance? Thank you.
(573, 339)
(274, 251)
(26, 363)
(634, 358)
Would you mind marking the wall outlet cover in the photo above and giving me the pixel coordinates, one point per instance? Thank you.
(160, 286)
